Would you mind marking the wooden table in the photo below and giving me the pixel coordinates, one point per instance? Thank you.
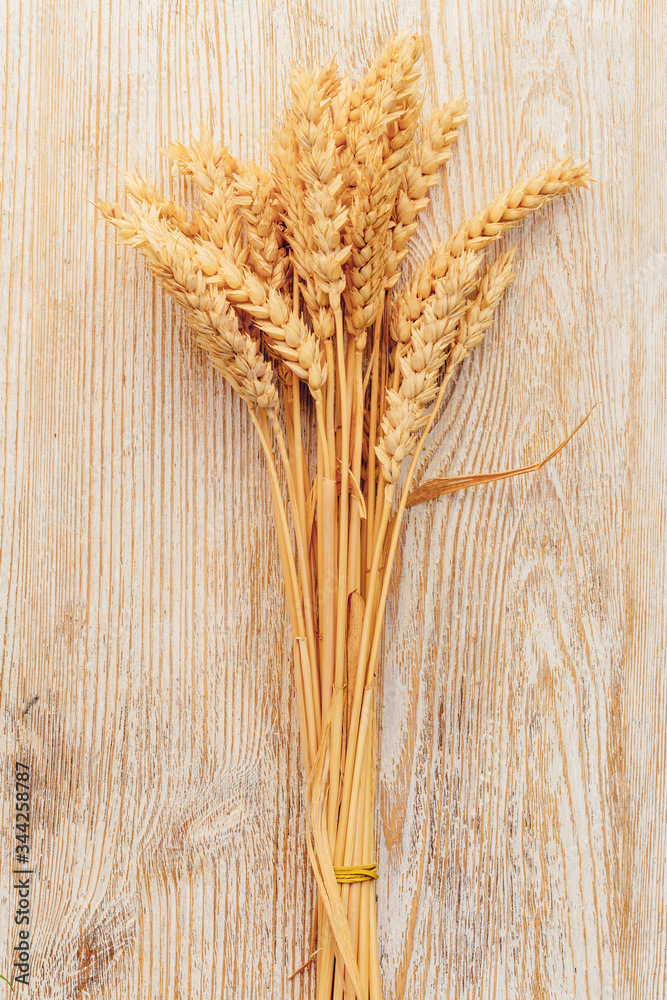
(521, 819)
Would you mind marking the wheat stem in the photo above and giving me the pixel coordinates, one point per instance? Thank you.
(312, 688)
(357, 701)
(291, 581)
(343, 510)
(369, 523)
(356, 431)
(332, 388)
(397, 527)
(363, 951)
(353, 805)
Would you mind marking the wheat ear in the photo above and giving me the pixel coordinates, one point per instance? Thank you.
(479, 315)
(255, 196)
(212, 169)
(492, 222)
(168, 256)
(383, 116)
(422, 171)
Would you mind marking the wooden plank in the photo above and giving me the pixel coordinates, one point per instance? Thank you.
(145, 673)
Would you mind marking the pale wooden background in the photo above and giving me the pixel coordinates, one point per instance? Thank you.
(521, 815)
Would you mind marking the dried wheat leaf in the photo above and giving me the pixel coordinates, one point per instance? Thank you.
(352, 487)
(355, 490)
(434, 488)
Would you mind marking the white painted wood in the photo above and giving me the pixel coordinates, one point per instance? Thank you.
(521, 805)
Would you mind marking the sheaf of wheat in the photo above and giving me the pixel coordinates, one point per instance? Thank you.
(289, 275)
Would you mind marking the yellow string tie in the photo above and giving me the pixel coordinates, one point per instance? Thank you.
(355, 873)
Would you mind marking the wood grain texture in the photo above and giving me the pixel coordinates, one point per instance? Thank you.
(522, 816)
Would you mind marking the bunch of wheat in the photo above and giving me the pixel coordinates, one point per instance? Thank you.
(287, 277)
